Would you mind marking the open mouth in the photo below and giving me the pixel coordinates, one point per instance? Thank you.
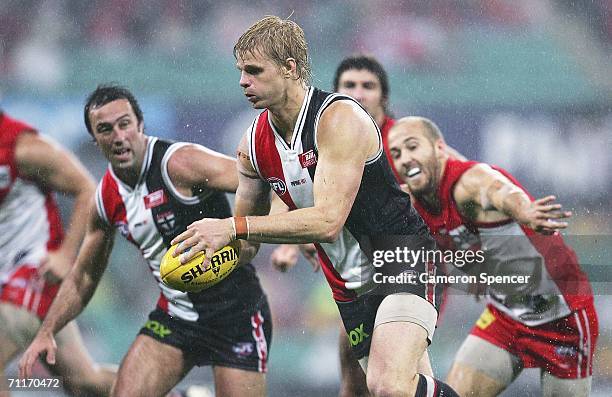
(413, 172)
(122, 153)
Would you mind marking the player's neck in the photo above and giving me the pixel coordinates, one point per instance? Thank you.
(284, 115)
(431, 202)
(379, 118)
(431, 199)
(129, 176)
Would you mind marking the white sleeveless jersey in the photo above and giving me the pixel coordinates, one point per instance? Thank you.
(380, 208)
(153, 212)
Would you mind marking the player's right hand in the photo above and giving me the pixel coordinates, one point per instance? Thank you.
(310, 253)
(285, 256)
(42, 346)
(545, 216)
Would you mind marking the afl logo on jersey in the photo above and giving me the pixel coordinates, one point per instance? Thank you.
(278, 185)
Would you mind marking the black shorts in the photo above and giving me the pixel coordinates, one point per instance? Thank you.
(234, 329)
(359, 316)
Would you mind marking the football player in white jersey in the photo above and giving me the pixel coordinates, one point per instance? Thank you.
(35, 255)
(302, 127)
(151, 191)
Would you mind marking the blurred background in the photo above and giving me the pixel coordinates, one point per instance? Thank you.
(525, 84)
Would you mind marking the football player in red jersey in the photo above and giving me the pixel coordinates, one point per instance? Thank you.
(36, 255)
(303, 146)
(549, 323)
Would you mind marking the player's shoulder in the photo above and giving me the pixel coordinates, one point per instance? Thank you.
(12, 129)
(189, 155)
(344, 110)
(108, 183)
(476, 172)
(466, 173)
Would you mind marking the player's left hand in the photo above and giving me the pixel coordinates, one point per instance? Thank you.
(206, 235)
(543, 216)
(55, 267)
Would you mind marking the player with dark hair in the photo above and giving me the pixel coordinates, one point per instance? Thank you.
(322, 155)
(36, 254)
(152, 190)
(548, 319)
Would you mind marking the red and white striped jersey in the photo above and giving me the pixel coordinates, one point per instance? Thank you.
(30, 224)
(380, 208)
(153, 212)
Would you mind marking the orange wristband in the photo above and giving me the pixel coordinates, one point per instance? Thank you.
(242, 227)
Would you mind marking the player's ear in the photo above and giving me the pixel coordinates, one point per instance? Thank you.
(290, 69)
(440, 145)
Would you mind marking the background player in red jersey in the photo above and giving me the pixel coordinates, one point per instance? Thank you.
(151, 191)
(303, 146)
(551, 323)
(34, 253)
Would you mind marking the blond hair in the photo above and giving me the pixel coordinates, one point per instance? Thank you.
(277, 39)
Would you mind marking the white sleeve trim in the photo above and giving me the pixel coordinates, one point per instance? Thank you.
(166, 177)
(100, 204)
(324, 106)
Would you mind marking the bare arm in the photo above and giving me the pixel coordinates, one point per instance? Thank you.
(80, 284)
(252, 197)
(339, 170)
(54, 168)
(482, 189)
(338, 176)
(75, 291)
(197, 166)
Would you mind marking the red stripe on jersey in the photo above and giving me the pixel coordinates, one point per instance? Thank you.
(563, 267)
(431, 287)
(114, 205)
(336, 282)
(268, 159)
(388, 122)
(271, 169)
(257, 321)
(56, 231)
(10, 129)
(162, 302)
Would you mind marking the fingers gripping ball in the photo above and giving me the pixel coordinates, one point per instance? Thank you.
(192, 276)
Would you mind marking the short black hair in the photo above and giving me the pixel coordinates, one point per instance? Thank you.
(106, 93)
(369, 63)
